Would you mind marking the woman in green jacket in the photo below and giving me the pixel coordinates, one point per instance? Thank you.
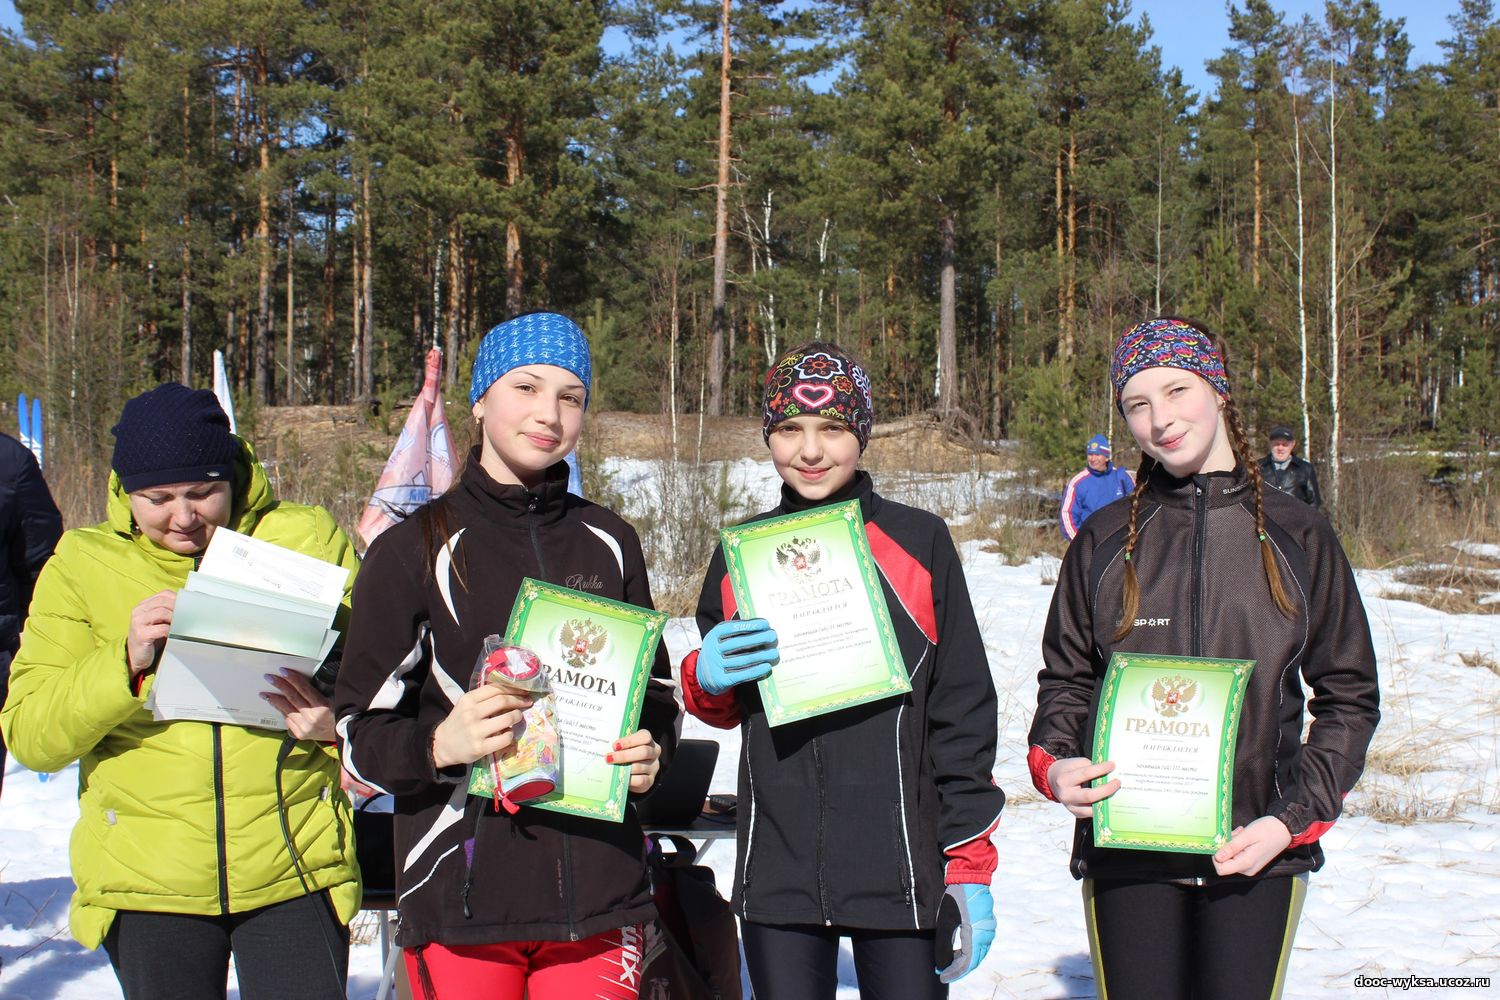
(180, 854)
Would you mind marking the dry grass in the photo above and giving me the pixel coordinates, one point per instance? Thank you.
(686, 495)
(1481, 660)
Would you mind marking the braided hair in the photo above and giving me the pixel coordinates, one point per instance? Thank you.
(1240, 444)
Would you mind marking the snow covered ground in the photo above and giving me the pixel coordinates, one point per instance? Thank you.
(1396, 898)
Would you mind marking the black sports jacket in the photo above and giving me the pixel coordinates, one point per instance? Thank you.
(860, 817)
(1203, 592)
(467, 874)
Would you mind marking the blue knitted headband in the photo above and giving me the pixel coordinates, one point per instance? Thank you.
(534, 339)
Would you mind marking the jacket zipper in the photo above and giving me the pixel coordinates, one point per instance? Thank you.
(567, 874)
(532, 503)
(822, 824)
(219, 821)
(1200, 534)
(1200, 531)
(471, 853)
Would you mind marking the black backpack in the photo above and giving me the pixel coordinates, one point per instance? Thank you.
(693, 947)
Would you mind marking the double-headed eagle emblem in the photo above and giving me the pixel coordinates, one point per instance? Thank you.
(1173, 696)
(582, 641)
(799, 557)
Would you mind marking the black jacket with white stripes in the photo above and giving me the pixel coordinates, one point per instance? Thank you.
(1203, 592)
(861, 817)
(430, 589)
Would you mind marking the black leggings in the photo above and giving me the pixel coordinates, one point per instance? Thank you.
(1164, 941)
(801, 963)
(296, 950)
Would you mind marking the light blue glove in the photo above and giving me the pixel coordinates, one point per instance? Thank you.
(966, 924)
(735, 652)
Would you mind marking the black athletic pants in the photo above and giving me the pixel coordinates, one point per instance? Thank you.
(296, 950)
(1164, 941)
(801, 963)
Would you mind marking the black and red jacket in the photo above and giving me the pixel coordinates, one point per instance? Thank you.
(860, 818)
(429, 591)
(1203, 592)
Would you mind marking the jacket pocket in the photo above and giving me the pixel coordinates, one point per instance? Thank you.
(903, 854)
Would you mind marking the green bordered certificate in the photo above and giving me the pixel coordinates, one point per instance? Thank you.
(811, 575)
(1169, 724)
(597, 654)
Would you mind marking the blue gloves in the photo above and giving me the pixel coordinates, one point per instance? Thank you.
(735, 652)
(965, 930)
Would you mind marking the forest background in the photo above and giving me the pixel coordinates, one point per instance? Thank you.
(975, 196)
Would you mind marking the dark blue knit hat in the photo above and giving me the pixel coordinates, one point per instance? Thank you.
(173, 434)
(542, 338)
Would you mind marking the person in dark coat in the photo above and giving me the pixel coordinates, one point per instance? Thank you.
(29, 526)
(1286, 471)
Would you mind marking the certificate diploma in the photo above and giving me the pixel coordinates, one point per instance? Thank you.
(811, 575)
(1169, 724)
(597, 653)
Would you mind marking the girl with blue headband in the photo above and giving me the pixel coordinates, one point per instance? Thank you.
(494, 903)
(1200, 560)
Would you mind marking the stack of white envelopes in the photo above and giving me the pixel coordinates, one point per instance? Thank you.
(250, 609)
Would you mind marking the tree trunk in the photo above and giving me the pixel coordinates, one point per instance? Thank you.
(454, 341)
(291, 314)
(1333, 297)
(672, 332)
(515, 165)
(996, 371)
(721, 227)
(185, 359)
(264, 359)
(367, 284)
(1160, 174)
(947, 388)
(1071, 326)
(1307, 449)
(114, 162)
(1259, 195)
(330, 308)
(1062, 245)
(356, 345)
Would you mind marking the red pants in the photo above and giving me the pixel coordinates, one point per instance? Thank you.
(606, 966)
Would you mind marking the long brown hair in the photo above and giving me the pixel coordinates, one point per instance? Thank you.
(1235, 425)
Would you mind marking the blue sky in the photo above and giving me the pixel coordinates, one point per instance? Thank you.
(1190, 32)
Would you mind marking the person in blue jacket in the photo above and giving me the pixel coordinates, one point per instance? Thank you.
(1095, 487)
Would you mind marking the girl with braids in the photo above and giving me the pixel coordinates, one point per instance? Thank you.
(1202, 560)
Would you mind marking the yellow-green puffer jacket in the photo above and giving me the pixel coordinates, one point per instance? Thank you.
(179, 816)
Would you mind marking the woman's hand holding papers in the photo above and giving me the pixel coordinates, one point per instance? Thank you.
(308, 714)
(150, 621)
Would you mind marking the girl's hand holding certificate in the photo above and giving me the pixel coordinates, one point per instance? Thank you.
(641, 754)
(1252, 847)
(1069, 779)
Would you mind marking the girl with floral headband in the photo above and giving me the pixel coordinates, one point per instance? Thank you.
(873, 822)
(1202, 560)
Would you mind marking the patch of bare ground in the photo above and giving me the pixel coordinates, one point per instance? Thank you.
(1463, 588)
